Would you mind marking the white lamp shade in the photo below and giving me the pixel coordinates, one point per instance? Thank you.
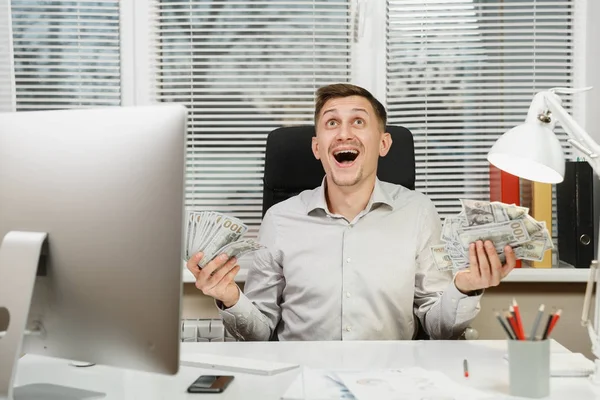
(530, 151)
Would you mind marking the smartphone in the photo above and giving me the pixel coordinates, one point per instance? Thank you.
(210, 384)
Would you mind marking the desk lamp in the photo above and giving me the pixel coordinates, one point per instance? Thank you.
(532, 151)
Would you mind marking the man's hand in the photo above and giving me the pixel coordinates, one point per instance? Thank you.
(216, 279)
(485, 268)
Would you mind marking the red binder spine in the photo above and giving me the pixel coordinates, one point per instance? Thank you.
(504, 187)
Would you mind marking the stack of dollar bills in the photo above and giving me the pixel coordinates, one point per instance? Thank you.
(503, 224)
(215, 233)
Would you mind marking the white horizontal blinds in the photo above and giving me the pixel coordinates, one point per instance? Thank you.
(6, 73)
(460, 73)
(244, 68)
(66, 53)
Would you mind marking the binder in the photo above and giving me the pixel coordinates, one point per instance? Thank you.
(504, 187)
(575, 215)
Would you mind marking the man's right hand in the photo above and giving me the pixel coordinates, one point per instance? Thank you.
(216, 279)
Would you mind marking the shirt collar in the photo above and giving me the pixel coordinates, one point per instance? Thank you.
(378, 197)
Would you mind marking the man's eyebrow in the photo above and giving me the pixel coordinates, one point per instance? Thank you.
(353, 110)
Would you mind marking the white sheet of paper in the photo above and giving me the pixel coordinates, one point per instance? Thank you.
(407, 384)
(315, 384)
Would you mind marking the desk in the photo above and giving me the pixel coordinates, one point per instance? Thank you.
(487, 368)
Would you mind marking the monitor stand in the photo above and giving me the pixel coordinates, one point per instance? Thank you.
(19, 258)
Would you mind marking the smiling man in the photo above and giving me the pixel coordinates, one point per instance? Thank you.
(350, 259)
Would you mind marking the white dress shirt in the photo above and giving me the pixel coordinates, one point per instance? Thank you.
(322, 277)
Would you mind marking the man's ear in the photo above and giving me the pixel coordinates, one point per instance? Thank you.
(385, 144)
(315, 147)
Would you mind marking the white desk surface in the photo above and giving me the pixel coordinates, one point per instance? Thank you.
(487, 368)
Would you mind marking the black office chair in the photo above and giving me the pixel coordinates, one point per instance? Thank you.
(290, 166)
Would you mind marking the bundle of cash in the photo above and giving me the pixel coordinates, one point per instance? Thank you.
(215, 233)
(502, 224)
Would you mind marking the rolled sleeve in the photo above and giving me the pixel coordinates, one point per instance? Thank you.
(443, 310)
(257, 312)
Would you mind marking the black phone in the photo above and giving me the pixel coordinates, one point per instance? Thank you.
(210, 384)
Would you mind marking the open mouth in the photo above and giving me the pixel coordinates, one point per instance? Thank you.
(345, 158)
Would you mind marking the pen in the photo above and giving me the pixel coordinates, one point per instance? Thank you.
(545, 334)
(518, 320)
(552, 323)
(536, 324)
(466, 368)
(513, 324)
(506, 328)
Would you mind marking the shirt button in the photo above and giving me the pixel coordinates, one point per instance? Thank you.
(348, 328)
(348, 260)
(347, 294)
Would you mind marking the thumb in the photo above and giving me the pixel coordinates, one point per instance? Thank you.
(195, 259)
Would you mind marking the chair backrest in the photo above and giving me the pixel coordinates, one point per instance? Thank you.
(290, 166)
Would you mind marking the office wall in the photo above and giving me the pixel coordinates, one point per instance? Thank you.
(567, 296)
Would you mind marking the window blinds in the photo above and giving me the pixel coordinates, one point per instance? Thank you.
(67, 53)
(244, 68)
(460, 73)
(6, 73)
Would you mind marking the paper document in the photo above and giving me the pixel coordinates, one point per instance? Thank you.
(235, 364)
(315, 384)
(405, 384)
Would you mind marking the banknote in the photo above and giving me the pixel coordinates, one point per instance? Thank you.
(503, 224)
(501, 234)
(215, 233)
(441, 258)
(533, 250)
(483, 212)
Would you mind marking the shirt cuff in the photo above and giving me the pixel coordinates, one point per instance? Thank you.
(237, 316)
(464, 302)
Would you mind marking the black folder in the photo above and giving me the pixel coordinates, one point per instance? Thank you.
(575, 215)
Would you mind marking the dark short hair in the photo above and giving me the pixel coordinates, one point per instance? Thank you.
(338, 90)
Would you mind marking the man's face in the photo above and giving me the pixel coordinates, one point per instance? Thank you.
(349, 140)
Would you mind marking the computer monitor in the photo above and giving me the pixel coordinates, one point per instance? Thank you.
(107, 187)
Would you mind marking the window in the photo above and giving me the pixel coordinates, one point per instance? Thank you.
(66, 54)
(6, 72)
(463, 72)
(244, 68)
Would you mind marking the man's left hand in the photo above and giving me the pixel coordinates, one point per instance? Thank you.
(485, 268)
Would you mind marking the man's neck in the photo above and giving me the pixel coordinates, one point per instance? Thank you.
(349, 201)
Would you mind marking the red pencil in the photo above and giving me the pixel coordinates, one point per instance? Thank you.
(518, 319)
(553, 322)
(513, 323)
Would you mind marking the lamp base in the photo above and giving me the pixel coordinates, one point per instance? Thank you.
(595, 377)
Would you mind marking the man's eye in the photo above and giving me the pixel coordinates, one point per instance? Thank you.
(359, 121)
(331, 122)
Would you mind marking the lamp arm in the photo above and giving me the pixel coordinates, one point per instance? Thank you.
(583, 140)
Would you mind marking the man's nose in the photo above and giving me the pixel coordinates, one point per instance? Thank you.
(345, 133)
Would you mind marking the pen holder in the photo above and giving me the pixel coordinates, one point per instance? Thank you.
(529, 368)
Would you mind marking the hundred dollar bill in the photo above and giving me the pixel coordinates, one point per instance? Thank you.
(228, 229)
(533, 250)
(513, 211)
(483, 212)
(441, 258)
(239, 248)
(451, 226)
(505, 233)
